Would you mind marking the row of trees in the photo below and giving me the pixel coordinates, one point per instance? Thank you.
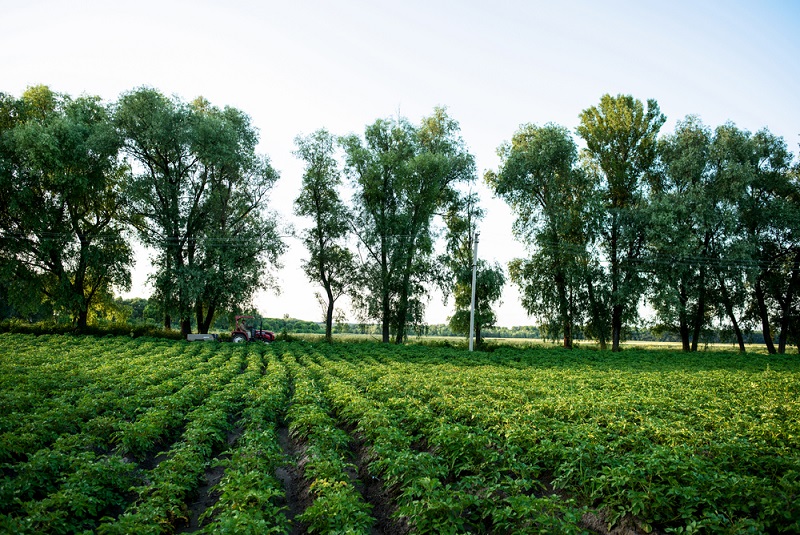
(700, 224)
(78, 177)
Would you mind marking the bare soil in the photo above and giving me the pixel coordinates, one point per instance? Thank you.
(298, 494)
(372, 489)
(597, 522)
(205, 497)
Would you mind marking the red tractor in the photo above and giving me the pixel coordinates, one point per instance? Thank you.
(243, 333)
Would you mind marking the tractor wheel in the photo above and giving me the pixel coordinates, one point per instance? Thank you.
(238, 338)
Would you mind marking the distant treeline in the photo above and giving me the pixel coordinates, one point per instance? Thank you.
(142, 318)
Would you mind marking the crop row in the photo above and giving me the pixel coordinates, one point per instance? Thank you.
(66, 486)
(251, 497)
(446, 477)
(688, 449)
(161, 502)
(49, 468)
(337, 506)
(118, 386)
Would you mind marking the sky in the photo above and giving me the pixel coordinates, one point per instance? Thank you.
(297, 66)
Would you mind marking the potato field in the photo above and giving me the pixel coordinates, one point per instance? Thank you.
(119, 435)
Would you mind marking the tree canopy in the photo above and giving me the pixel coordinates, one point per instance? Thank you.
(553, 200)
(330, 262)
(402, 174)
(197, 195)
(60, 194)
(621, 138)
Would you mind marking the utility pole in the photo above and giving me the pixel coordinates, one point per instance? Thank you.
(474, 277)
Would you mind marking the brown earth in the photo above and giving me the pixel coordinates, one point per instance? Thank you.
(205, 496)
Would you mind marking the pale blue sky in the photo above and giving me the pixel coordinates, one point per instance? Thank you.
(296, 66)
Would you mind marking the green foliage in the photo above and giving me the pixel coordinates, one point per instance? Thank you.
(112, 329)
(331, 263)
(554, 202)
(462, 217)
(198, 193)
(250, 496)
(60, 181)
(513, 441)
(620, 155)
(489, 283)
(337, 506)
(402, 175)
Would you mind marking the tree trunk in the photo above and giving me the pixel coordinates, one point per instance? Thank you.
(567, 335)
(684, 332)
(329, 317)
(597, 316)
(385, 338)
(700, 316)
(700, 313)
(167, 322)
(563, 306)
(786, 305)
(728, 304)
(199, 316)
(616, 327)
(385, 309)
(402, 312)
(83, 303)
(83, 315)
(616, 307)
(210, 313)
(186, 327)
(204, 320)
(683, 320)
(400, 335)
(764, 315)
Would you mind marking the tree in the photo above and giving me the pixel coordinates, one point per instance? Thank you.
(770, 218)
(729, 160)
(331, 264)
(678, 237)
(552, 198)
(401, 175)
(197, 197)
(60, 201)
(461, 219)
(621, 142)
(694, 255)
(239, 241)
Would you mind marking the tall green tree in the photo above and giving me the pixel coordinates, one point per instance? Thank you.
(621, 145)
(729, 159)
(461, 219)
(681, 231)
(60, 201)
(695, 256)
(198, 192)
(552, 197)
(770, 218)
(164, 193)
(401, 174)
(240, 242)
(331, 263)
